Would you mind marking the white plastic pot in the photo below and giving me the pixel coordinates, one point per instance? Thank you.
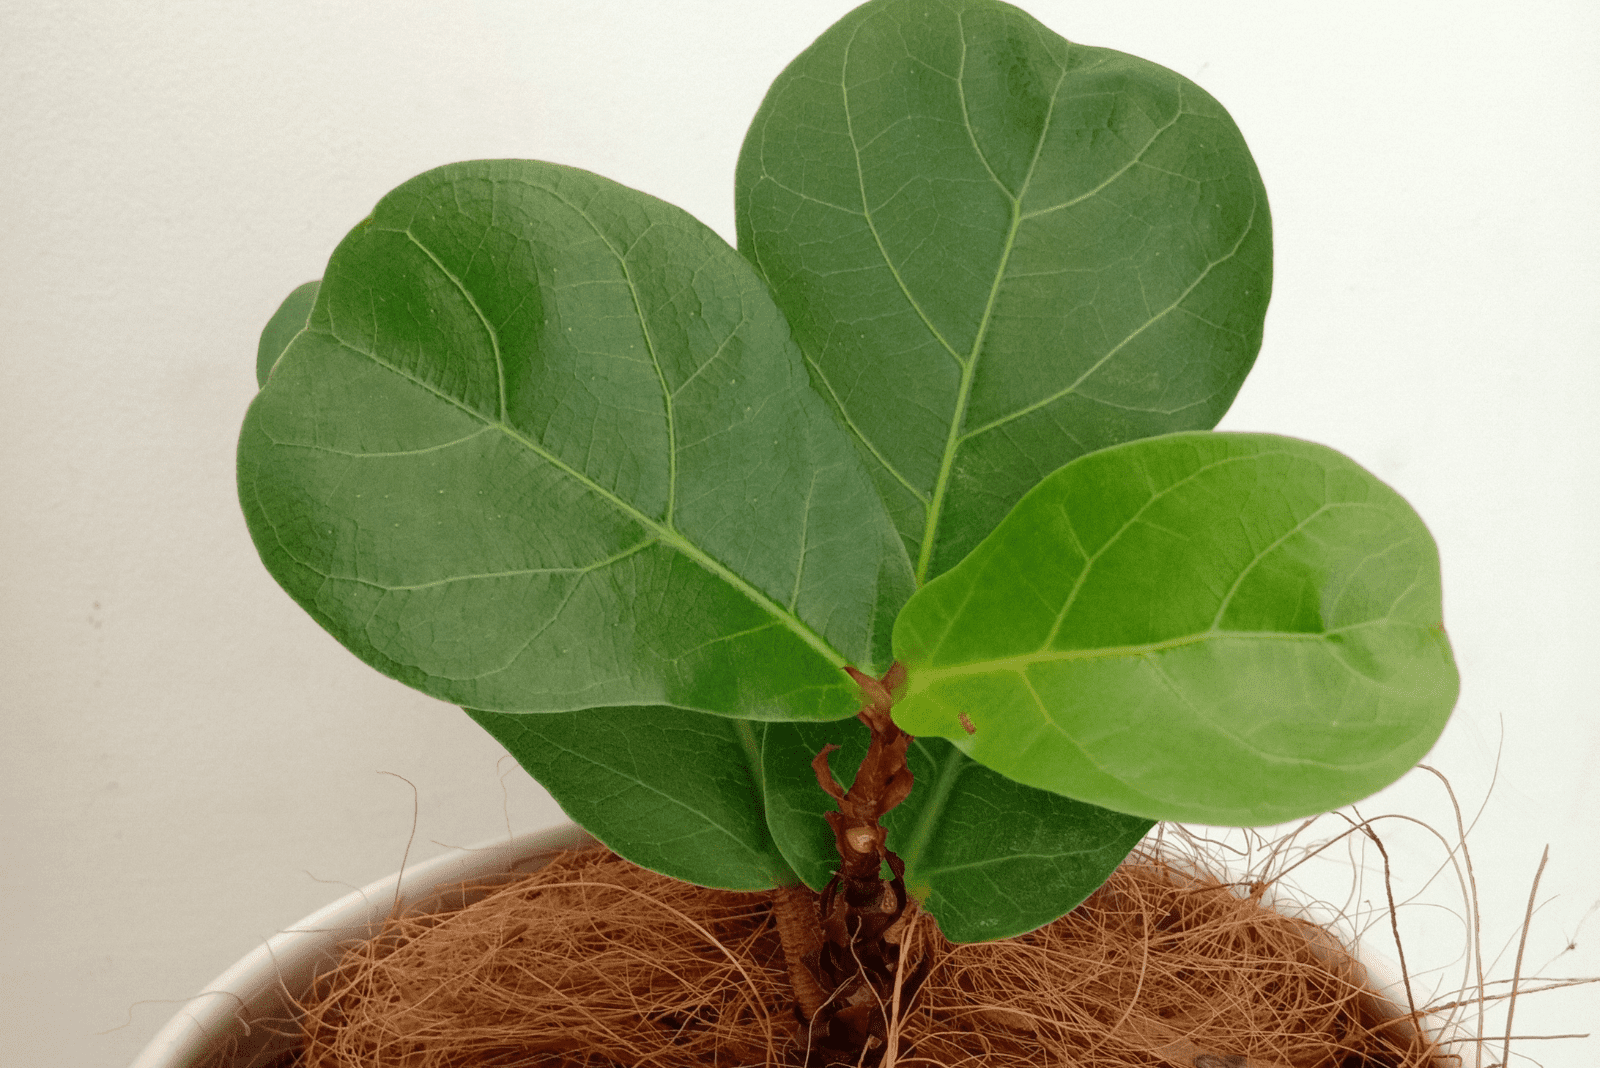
(258, 987)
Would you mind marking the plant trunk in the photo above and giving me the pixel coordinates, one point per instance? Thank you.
(843, 950)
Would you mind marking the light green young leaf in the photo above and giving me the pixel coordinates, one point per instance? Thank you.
(1234, 629)
(990, 858)
(546, 444)
(1000, 251)
(674, 791)
(286, 322)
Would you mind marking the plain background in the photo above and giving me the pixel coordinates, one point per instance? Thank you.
(189, 764)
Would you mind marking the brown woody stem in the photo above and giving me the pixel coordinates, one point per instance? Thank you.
(854, 966)
(795, 910)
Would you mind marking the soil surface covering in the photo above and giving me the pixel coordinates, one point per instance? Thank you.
(594, 962)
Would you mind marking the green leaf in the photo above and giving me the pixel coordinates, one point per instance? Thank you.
(990, 858)
(1000, 251)
(286, 322)
(1233, 629)
(546, 444)
(674, 791)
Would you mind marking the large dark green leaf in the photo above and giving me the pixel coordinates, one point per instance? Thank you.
(990, 858)
(546, 444)
(1000, 251)
(674, 791)
(1225, 628)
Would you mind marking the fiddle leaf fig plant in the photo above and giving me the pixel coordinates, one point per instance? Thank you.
(662, 515)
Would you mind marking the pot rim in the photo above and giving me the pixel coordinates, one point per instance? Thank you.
(257, 986)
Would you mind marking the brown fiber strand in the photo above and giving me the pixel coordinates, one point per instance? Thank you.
(594, 962)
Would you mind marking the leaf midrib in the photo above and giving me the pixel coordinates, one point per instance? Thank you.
(968, 365)
(1019, 663)
(953, 437)
(956, 437)
(662, 530)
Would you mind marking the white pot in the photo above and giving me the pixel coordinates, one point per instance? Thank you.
(256, 988)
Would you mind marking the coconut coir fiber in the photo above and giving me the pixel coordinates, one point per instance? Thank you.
(594, 962)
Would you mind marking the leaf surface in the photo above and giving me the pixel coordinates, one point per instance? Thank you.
(1000, 251)
(545, 444)
(1235, 629)
(286, 322)
(674, 791)
(990, 858)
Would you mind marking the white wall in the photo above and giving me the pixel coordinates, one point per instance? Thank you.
(189, 763)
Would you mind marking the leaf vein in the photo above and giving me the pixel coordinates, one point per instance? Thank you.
(1101, 362)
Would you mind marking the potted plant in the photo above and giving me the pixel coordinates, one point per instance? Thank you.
(915, 491)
